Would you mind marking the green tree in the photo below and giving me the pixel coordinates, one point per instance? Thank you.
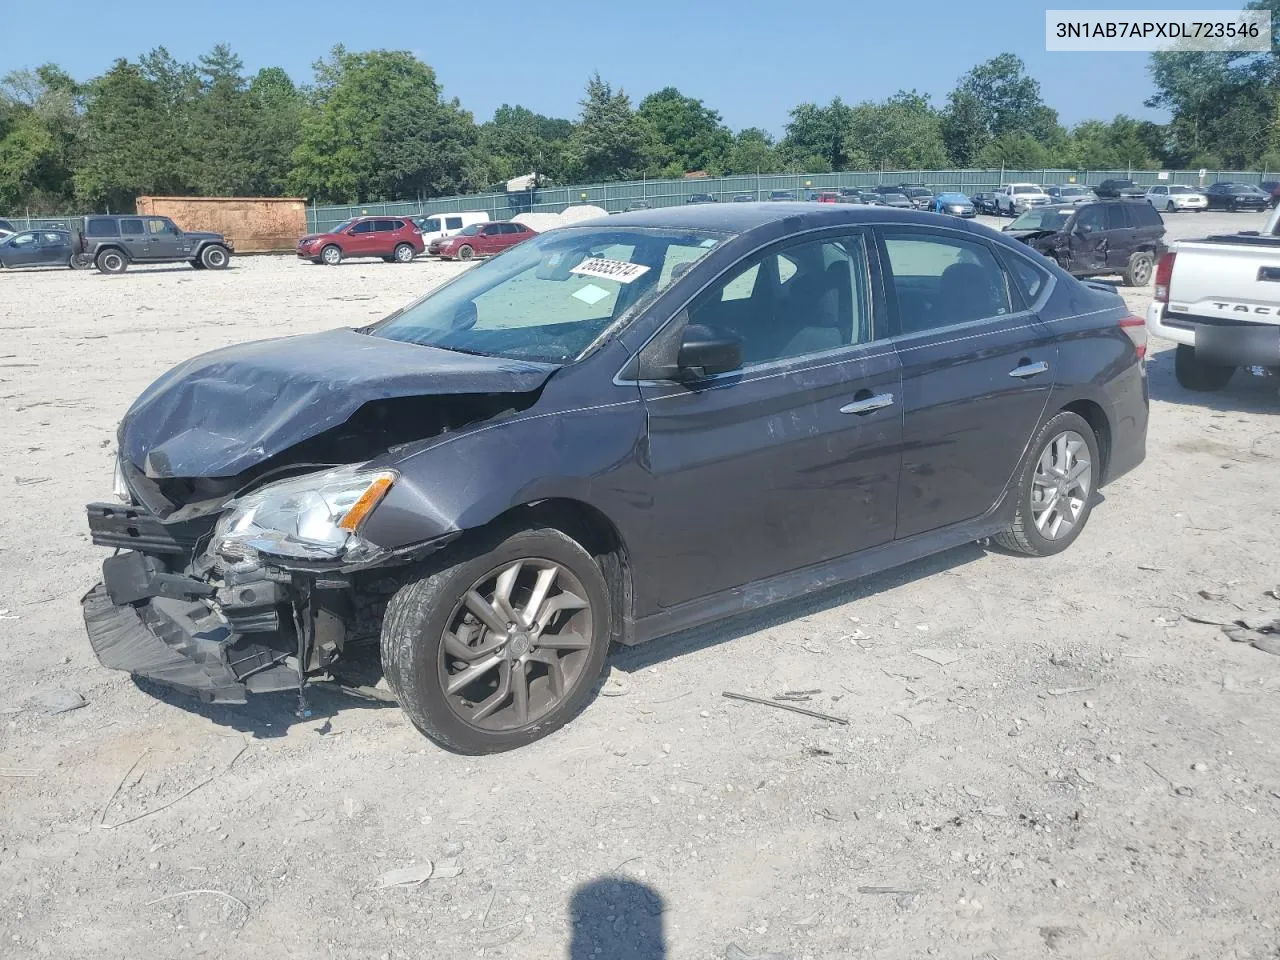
(40, 138)
(903, 132)
(610, 142)
(378, 129)
(276, 111)
(517, 142)
(686, 135)
(817, 134)
(966, 127)
(1003, 96)
(752, 152)
(222, 127)
(129, 140)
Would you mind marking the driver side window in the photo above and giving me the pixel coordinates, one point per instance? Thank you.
(797, 300)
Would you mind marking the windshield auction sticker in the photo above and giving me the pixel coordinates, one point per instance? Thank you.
(607, 269)
(1158, 31)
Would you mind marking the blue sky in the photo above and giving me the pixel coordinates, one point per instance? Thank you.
(750, 60)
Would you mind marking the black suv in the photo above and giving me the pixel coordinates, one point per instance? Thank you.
(1118, 188)
(1091, 239)
(114, 242)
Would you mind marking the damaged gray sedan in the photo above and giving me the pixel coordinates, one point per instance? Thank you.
(609, 433)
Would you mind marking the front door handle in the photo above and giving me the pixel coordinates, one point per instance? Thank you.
(869, 404)
(1024, 370)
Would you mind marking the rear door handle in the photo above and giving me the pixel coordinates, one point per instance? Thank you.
(869, 404)
(1269, 273)
(1024, 370)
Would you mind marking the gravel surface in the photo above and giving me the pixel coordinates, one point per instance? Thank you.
(1042, 757)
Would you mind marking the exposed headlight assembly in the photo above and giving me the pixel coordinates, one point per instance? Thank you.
(118, 486)
(313, 517)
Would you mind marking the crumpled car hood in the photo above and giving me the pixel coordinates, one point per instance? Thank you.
(221, 413)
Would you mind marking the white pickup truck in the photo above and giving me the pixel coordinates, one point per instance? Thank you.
(1219, 300)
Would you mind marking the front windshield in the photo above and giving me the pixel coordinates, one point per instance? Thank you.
(1042, 218)
(548, 298)
(342, 226)
(470, 231)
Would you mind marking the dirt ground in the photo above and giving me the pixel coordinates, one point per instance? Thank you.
(1089, 774)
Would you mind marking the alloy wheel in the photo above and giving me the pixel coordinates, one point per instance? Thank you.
(404, 253)
(1061, 485)
(515, 645)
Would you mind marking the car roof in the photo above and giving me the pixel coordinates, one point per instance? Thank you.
(741, 217)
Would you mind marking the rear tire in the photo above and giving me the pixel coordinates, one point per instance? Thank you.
(1041, 527)
(111, 261)
(403, 254)
(1138, 272)
(418, 661)
(215, 257)
(1195, 374)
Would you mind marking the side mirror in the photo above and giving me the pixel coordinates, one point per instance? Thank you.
(706, 351)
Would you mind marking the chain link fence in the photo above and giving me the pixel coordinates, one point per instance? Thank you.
(617, 197)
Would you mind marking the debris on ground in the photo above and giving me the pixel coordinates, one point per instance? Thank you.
(418, 874)
(735, 952)
(784, 706)
(57, 700)
(942, 658)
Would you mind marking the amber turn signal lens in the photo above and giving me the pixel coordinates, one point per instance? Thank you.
(372, 496)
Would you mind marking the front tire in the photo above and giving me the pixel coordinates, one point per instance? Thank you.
(1138, 272)
(1195, 374)
(1055, 488)
(331, 255)
(1169, 207)
(466, 252)
(502, 647)
(215, 257)
(111, 261)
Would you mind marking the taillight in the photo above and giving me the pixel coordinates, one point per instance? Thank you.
(1136, 328)
(1164, 273)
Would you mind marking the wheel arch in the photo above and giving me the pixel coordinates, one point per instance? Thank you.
(593, 530)
(116, 247)
(1093, 414)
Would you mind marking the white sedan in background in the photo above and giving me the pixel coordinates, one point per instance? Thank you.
(1173, 197)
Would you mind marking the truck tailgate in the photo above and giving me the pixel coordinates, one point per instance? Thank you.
(1235, 281)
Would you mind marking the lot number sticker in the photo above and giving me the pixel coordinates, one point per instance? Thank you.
(607, 269)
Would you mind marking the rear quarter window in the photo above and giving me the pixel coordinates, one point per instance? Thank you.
(1029, 278)
(101, 227)
(1145, 215)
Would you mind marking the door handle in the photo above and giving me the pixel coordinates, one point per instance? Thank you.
(868, 404)
(1024, 370)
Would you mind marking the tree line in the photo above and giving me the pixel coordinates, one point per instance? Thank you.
(377, 125)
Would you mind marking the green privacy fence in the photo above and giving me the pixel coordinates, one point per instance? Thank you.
(616, 197)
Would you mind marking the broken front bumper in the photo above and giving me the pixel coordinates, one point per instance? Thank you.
(217, 641)
(182, 645)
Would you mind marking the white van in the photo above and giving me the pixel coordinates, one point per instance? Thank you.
(437, 226)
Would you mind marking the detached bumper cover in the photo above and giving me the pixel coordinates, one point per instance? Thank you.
(163, 627)
(123, 641)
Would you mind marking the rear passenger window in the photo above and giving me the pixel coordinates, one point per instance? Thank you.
(453, 223)
(1116, 219)
(101, 227)
(941, 281)
(386, 226)
(131, 228)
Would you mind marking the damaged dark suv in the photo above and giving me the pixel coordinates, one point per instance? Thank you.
(609, 433)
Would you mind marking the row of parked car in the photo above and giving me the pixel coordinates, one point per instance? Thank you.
(1014, 198)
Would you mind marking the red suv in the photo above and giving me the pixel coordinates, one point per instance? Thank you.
(396, 239)
(481, 240)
